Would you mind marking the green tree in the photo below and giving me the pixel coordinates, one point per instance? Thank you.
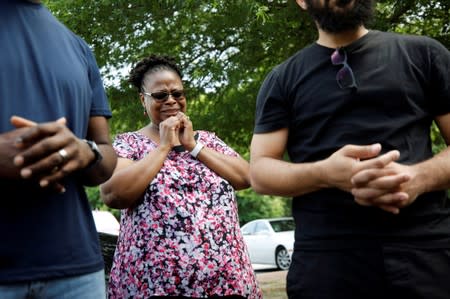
(225, 47)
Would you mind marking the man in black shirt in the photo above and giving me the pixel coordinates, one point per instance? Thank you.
(354, 110)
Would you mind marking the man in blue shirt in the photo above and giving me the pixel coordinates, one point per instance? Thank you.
(60, 143)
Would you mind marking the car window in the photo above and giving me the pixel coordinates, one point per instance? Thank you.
(261, 227)
(248, 229)
(283, 225)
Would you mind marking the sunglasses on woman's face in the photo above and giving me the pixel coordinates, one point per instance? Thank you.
(344, 77)
(162, 96)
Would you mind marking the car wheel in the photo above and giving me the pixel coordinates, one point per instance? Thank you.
(282, 258)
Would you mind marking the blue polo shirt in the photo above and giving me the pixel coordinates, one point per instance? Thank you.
(46, 72)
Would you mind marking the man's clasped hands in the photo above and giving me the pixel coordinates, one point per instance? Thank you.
(373, 178)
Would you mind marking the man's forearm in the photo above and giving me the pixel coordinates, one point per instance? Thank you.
(433, 174)
(277, 177)
(103, 171)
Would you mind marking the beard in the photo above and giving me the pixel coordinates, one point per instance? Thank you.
(340, 19)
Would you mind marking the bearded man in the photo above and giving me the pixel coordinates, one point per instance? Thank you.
(354, 111)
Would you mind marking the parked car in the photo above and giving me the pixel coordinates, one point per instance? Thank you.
(108, 231)
(105, 222)
(270, 241)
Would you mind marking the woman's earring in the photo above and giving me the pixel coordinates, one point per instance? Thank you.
(145, 112)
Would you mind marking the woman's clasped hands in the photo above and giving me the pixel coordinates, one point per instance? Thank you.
(177, 130)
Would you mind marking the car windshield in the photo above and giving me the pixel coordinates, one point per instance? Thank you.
(283, 225)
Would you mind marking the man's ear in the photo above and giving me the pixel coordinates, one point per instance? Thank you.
(302, 4)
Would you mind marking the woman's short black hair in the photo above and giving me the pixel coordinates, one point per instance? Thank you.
(151, 64)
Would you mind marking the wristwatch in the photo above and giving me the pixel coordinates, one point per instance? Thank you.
(97, 154)
(196, 150)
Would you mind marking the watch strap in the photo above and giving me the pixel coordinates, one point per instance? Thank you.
(97, 154)
(196, 150)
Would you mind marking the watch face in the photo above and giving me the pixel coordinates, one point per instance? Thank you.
(98, 155)
(94, 146)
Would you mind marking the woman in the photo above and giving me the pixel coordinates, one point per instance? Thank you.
(179, 234)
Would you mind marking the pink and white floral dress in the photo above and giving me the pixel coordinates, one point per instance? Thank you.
(183, 239)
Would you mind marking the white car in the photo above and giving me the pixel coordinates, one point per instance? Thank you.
(105, 222)
(270, 241)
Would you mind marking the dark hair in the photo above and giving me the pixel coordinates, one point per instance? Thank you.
(150, 64)
(360, 14)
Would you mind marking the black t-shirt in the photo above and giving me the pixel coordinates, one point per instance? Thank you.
(403, 83)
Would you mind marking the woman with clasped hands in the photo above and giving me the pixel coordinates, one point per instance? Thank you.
(179, 234)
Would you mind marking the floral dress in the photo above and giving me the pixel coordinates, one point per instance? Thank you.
(184, 238)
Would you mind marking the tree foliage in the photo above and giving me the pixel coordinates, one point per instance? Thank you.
(225, 48)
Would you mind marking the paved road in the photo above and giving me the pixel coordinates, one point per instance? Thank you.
(272, 282)
(261, 267)
(269, 275)
(267, 271)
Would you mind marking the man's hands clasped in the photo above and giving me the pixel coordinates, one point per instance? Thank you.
(48, 152)
(390, 186)
(373, 179)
